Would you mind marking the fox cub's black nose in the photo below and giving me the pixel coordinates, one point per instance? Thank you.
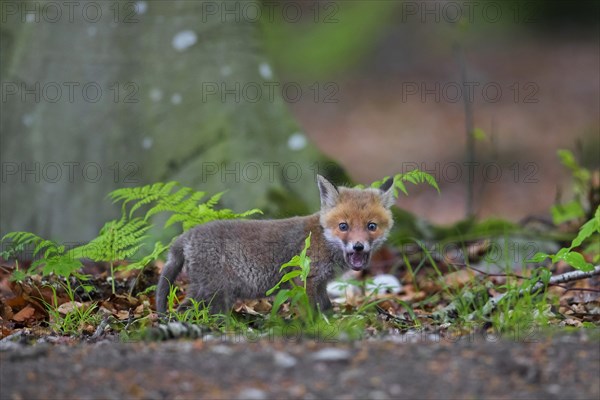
(358, 246)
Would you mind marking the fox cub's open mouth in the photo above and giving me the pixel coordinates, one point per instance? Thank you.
(357, 260)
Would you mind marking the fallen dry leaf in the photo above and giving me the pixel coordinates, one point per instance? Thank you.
(571, 322)
(139, 311)
(122, 315)
(69, 307)
(458, 279)
(253, 307)
(263, 306)
(123, 301)
(24, 314)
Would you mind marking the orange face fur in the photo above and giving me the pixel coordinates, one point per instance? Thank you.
(356, 220)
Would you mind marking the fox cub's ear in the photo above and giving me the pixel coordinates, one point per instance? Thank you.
(329, 193)
(387, 193)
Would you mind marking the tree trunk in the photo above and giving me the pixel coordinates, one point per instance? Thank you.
(113, 94)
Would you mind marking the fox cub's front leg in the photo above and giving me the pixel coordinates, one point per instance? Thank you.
(317, 294)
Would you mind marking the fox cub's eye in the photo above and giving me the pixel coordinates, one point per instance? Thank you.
(343, 226)
(371, 226)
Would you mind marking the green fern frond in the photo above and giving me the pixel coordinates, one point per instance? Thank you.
(117, 240)
(184, 203)
(159, 249)
(53, 258)
(214, 200)
(20, 240)
(415, 177)
(142, 195)
(122, 239)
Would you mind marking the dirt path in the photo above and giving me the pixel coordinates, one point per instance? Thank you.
(565, 366)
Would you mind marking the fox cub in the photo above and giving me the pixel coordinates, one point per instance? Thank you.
(231, 259)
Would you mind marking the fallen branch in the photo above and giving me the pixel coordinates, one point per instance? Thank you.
(571, 276)
(555, 280)
(492, 303)
(391, 317)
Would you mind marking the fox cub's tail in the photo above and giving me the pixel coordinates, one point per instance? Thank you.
(169, 273)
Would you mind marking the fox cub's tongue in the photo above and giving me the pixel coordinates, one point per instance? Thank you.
(358, 260)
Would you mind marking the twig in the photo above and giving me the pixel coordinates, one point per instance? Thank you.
(389, 316)
(555, 280)
(568, 289)
(100, 329)
(130, 318)
(491, 274)
(568, 277)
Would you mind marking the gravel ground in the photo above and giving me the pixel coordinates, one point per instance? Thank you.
(564, 366)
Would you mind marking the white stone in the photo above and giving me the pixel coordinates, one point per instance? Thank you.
(336, 289)
(384, 283)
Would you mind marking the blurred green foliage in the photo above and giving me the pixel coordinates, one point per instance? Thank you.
(333, 37)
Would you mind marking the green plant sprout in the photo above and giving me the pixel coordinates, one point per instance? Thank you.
(296, 294)
(575, 259)
(582, 177)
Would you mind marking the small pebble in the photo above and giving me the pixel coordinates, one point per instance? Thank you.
(378, 395)
(331, 354)
(395, 389)
(252, 394)
(221, 349)
(284, 360)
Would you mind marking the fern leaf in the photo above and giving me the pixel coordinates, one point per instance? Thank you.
(142, 195)
(53, 258)
(117, 240)
(214, 199)
(20, 240)
(184, 203)
(415, 177)
(159, 248)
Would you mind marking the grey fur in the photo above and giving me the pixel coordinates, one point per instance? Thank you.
(231, 259)
(387, 196)
(328, 193)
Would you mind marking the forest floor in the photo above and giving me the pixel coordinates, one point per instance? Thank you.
(550, 367)
(102, 361)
